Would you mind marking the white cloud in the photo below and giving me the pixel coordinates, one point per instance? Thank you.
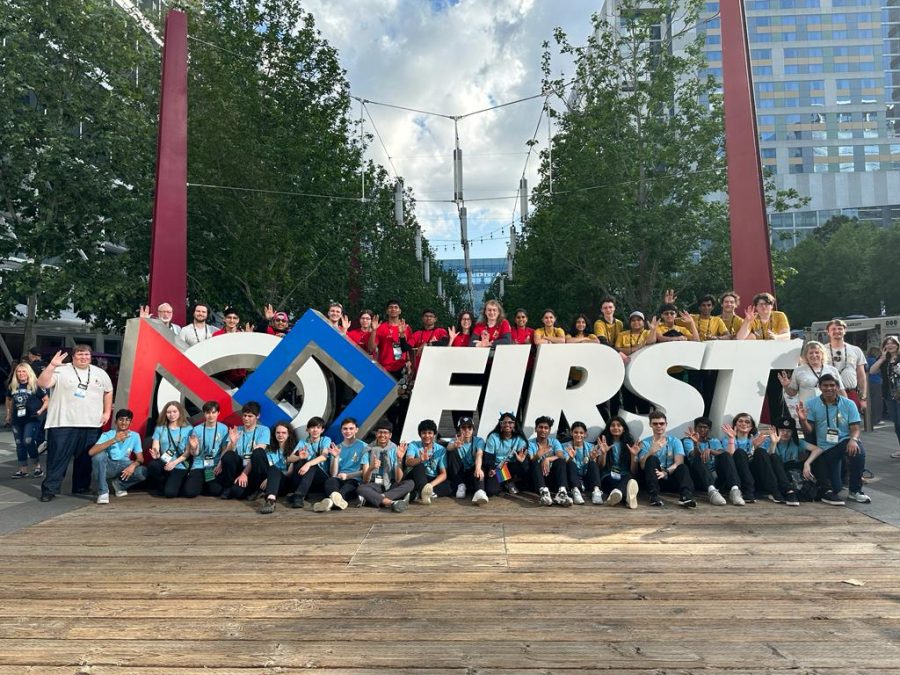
(452, 58)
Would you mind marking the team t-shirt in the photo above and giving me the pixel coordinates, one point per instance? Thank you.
(502, 448)
(494, 332)
(522, 336)
(788, 451)
(666, 454)
(777, 324)
(121, 450)
(709, 327)
(387, 346)
(250, 439)
(732, 325)
(437, 459)
(629, 340)
(838, 416)
(352, 457)
(713, 444)
(555, 332)
(466, 451)
(662, 329)
(172, 443)
(610, 331)
(360, 338)
(582, 455)
(211, 442)
(553, 445)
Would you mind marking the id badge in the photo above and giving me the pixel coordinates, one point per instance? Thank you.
(615, 475)
(166, 457)
(20, 412)
(398, 353)
(208, 463)
(379, 479)
(832, 435)
(271, 461)
(79, 393)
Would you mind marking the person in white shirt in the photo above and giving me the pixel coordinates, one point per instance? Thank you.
(850, 362)
(164, 313)
(198, 330)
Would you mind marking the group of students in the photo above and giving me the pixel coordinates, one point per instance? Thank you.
(252, 460)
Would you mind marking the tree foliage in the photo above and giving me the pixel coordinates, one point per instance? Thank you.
(79, 98)
(634, 161)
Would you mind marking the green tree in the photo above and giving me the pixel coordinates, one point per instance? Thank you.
(79, 98)
(634, 159)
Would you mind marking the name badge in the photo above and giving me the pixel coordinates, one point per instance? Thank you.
(208, 463)
(271, 461)
(166, 457)
(79, 393)
(379, 479)
(20, 412)
(83, 386)
(615, 475)
(398, 353)
(832, 435)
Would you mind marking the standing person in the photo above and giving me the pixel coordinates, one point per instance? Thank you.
(33, 359)
(389, 340)
(171, 457)
(617, 459)
(803, 383)
(25, 404)
(242, 442)
(232, 322)
(427, 461)
(520, 333)
(361, 336)
(164, 313)
(207, 442)
(607, 325)
(80, 404)
(888, 364)
(850, 362)
(763, 322)
(384, 486)
(429, 334)
(312, 462)
(461, 334)
(579, 331)
(271, 322)
(548, 465)
(662, 462)
(461, 452)
(198, 330)
(837, 424)
(505, 452)
(278, 473)
(729, 302)
(492, 328)
(111, 457)
(549, 332)
(712, 468)
(336, 317)
(349, 463)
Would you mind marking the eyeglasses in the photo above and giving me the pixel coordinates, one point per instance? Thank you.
(657, 424)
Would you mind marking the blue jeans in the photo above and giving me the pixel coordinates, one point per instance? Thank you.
(893, 407)
(833, 460)
(103, 468)
(25, 434)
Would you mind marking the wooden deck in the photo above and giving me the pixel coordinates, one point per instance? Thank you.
(152, 586)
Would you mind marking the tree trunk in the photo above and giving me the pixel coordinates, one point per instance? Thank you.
(29, 338)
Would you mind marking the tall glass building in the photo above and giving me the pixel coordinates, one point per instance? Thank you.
(827, 89)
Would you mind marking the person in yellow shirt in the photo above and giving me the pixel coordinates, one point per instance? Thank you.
(579, 332)
(667, 330)
(628, 342)
(708, 326)
(607, 325)
(763, 322)
(729, 302)
(549, 332)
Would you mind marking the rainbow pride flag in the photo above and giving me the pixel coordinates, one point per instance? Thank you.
(503, 474)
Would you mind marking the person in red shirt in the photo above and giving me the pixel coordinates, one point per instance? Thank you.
(520, 333)
(232, 322)
(429, 335)
(361, 336)
(492, 328)
(272, 322)
(389, 340)
(461, 334)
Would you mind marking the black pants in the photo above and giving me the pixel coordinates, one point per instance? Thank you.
(313, 479)
(764, 475)
(64, 444)
(457, 474)
(608, 483)
(555, 479)
(781, 472)
(345, 487)
(169, 484)
(490, 484)
(374, 494)
(701, 476)
(678, 481)
(196, 484)
(419, 478)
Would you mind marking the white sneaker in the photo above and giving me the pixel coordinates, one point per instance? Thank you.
(576, 496)
(546, 499)
(859, 497)
(338, 500)
(631, 493)
(103, 499)
(120, 491)
(562, 497)
(596, 496)
(614, 497)
(427, 494)
(715, 497)
(735, 496)
(461, 491)
(323, 505)
(480, 497)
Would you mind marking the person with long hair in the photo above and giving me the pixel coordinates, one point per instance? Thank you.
(579, 331)
(492, 328)
(743, 436)
(25, 403)
(889, 361)
(582, 472)
(461, 334)
(277, 471)
(361, 336)
(617, 458)
(461, 453)
(549, 332)
(169, 451)
(520, 333)
(504, 459)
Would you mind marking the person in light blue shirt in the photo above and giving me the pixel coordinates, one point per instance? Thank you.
(171, 459)
(617, 462)
(427, 461)
(662, 461)
(270, 469)
(111, 457)
(243, 442)
(548, 465)
(787, 453)
(384, 486)
(348, 466)
(312, 462)
(745, 442)
(836, 422)
(206, 444)
(711, 465)
(582, 470)
(505, 452)
(461, 453)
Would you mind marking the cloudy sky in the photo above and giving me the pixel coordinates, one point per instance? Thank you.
(453, 57)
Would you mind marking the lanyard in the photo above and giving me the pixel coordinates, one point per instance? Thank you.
(205, 332)
(842, 361)
(764, 328)
(730, 324)
(252, 440)
(87, 381)
(837, 413)
(173, 443)
(210, 449)
(709, 320)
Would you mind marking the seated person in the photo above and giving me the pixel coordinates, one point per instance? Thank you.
(504, 459)
(111, 458)
(461, 453)
(711, 466)
(662, 463)
(242, 443)
(206, 444)
(548, 465)
(384, 486)
(427, 461)
(312, 462)
(349, 463)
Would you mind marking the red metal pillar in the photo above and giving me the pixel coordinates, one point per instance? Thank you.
(750, 254)
(168, 247)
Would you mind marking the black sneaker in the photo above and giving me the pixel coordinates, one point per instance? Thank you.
(791, 499)
(295, 502)
(777, 498)
(268, 507)
(687, 502)
(227, 493)
(833, 499)
(655, 501)
(47, 496)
